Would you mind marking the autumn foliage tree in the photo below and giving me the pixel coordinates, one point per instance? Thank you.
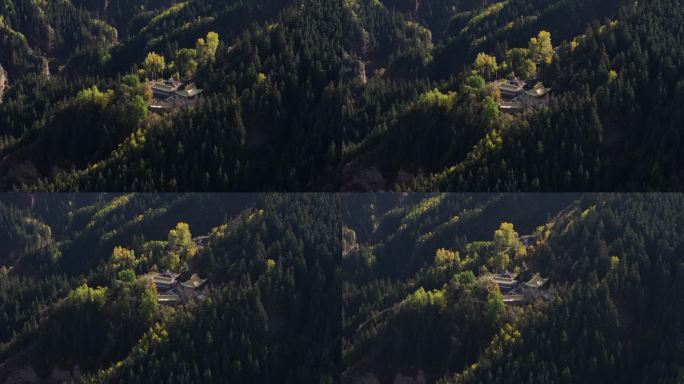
(486, 65)
(154, 64)
(206, 47)
(540, 48)
(179, 247)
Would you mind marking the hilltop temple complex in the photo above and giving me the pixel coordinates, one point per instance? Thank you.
(171, 291)
(171, 93)
(519, 288)
(518, 96)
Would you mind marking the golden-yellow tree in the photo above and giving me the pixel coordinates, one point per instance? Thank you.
(540, 48)
(486, 65)
(154, 64)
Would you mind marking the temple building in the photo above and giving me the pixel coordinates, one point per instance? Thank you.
(194, 282)
(535, 282)
(516, 288)
(163, 89)
(168, 299)
(514, 299)
(165, 281)
(511, 106)
(535, 97)
(170, 94)
(171, 290)
(505, 281)
(187, 93)
(518, 96)
(510, 89)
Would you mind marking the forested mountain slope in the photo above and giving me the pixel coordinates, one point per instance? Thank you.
(423, 115)
(419, 304)
(266, 120)
(368, 288)
(340, 95)
(80, 306)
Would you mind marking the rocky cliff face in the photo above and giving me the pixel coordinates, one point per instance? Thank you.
(3, 82)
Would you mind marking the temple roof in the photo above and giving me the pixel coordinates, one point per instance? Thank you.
(166, 85)
(192, 92)
(166, 277)
(194, 281)
(538, 90)
(536, 281)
